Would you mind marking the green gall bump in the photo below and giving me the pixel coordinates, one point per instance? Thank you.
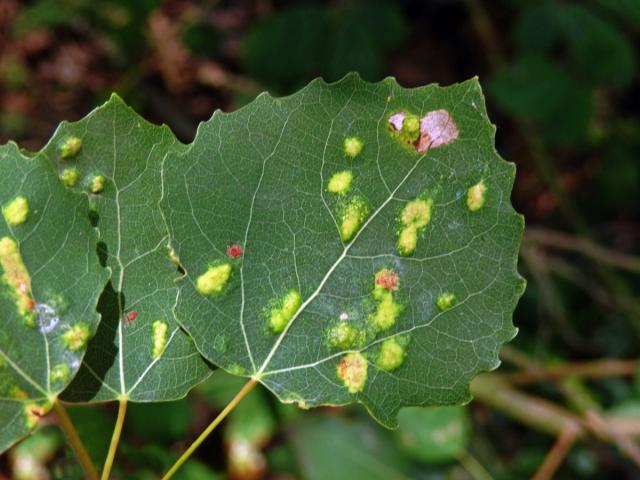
(445, 301)
(352, 370)
(70, 147)
(235, 369)
(97, 184)
(16, 211)
(476, 196)
(340, 182)
(16, 276)
(159, 331)
(411, 127)
(214, 279)
(415, 216)
(70, 177)
(282, 315)
(386, 312)
(17, 393)
(344, 335)
(60, 373)
(352, 147)
(391, 355)
(76, 337)
(352, 218)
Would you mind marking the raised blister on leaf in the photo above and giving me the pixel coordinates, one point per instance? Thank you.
(475, 196)
(16, 276)
(340, 182)
(415, 216)
(391, 354)
(70, 147)
(352, 370)
(284, 310)
(159, 331)
(352, 147)
(353, 215)
(70, 176)
(97, 183)
(214, 279)
(77, 336)
(16, 211)
(445, 301)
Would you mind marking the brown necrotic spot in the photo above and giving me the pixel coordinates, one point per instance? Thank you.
(437, 128)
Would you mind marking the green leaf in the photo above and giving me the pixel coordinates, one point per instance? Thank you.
(434, 435)
(50, 281)
(255, 225)
(139, 352)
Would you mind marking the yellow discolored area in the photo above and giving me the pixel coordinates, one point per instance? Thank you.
(16, 211)
(352, 218)
(77, 336)
(386, 312)
(60, 373)
(70, 177)
(352, 370)
(159, 330)
(445, 301)
(16, 276)
(352, 147)
(391, 355)
(340, 182)
(34, 412)
(344, 335)
(70, 147)
(415, 216)
(18, 393)
(411, 127)
(476, 196)
(97, 184)
(236, 369)
(286, 308)
(214, 279)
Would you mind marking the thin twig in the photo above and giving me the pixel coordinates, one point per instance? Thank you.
(556, 455)
(595, 369)
(74, 440)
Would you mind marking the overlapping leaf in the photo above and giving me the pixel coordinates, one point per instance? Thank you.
(255, 220)
(139, 352)
(50, 283)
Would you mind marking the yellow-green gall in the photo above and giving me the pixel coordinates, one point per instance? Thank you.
(159, 331)
(235, 369)
(352, 370)
(352, 147)
(17, 393)
(340, 182)
(476, 196)
(77, 336)
(97, 184)
(411, 126)
(391, 355)
(214, 279)
(16, 211)
(16, 276)
(285, 309)
(70, 147)
(445, 301)
(70, 177)
(60, 373)
(415, 216)
(352, 218)
(386, 312)
(34, 412)
(344, 335)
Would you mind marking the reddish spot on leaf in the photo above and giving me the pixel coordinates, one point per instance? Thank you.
(387, 279)
(436, 128)
(131, 316)
(235, 251)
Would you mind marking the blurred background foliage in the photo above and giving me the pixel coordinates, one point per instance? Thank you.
(561, 79)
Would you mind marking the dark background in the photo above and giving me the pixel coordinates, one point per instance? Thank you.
(561, 83)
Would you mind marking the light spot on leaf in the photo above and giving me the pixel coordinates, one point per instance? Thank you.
(214, 279)
(343, 335)
(445, 301)
(476, 196)
(391, 355)
(235, 369)
(16, 211)
(352, 147)
(397, 120)
(386, 312)
(18, 393)
(352, 370)
(437, 128)
(97, 184)
(221, 342)
(17, 278)
(60, 373)
(76, 337)
(70, 147)
(415, 216)
(285, 309)
(159, 337)
(70, 177)
(340, 182)
(352, 217)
